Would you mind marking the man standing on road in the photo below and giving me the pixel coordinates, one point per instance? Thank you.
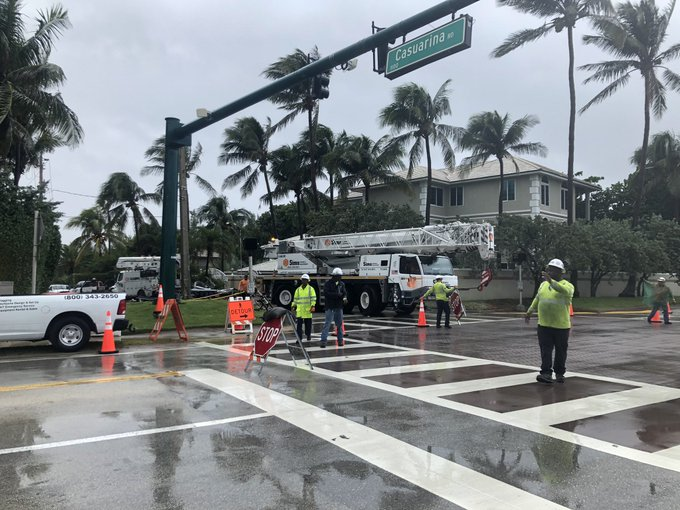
(552, 302)
(441, 294)
(303, 303)
(335, 296)
(660, 296)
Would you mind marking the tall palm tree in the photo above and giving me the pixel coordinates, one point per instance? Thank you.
(247, 141)
(29, 106)
(415, 114)
(371, 162)
(559, 14)
(488, 134)
(634, 36)
(120, 195)
(96, 232)
(290, 173)
(337, 148)
(189, 160)
(298, 99)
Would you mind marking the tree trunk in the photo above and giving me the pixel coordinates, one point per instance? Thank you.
(643, 155)
(429, 181)
(500, 193)
(629, 290)
(185, 268)
(571, 195)
(263, 169)
(301, 226)
(573, 278)
(312, 157)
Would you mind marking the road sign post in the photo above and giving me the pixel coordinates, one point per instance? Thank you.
(435, 44)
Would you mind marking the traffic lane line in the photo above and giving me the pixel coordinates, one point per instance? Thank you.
(98, 380)
(453, 482)
(136, 433)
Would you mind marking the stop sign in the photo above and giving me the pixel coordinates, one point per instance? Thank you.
(267, 336)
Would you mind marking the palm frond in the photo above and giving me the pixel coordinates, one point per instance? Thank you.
(520, 38)
(606, 92)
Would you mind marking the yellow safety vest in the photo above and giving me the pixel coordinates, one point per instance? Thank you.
(303, 301)
(552, 302)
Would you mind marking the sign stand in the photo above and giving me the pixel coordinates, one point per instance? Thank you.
(240, 315)
(268, 335)
(170, 306)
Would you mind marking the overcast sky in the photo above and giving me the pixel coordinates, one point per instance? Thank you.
(131, 63)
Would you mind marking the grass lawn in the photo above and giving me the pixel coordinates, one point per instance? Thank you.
(211, 313)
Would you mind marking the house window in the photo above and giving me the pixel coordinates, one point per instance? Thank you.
(457, 195)
(563, 196)
(436, 196)
(508, 191)
(545, 191)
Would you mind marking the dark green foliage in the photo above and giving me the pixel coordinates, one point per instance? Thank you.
(346, 217)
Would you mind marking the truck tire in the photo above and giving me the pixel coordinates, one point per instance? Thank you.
(283, 295)
(369, 301)
(69, 334)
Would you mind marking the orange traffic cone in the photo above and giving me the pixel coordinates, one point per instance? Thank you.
(656, 317)
(159, 302)
(669, 309)
(422, 323)
(571, 310)
(108, 343)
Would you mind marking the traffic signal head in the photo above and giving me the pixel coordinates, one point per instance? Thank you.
(320, 87)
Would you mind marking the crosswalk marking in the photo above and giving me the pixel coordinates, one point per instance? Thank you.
(458, 484)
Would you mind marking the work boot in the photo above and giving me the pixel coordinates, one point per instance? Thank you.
(559, 378)
(322, 344)
(546, 379)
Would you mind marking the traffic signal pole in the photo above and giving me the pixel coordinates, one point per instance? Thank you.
(178, 135)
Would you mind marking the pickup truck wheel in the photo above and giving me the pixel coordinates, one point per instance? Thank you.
(369, 301)
(69, 334)
(284, 295)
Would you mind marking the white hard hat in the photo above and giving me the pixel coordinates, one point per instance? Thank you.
(557, 263)
(661, 279)
(304, 277)
(439, 277)
(337, 271)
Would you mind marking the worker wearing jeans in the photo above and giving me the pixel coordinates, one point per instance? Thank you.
(335, 297)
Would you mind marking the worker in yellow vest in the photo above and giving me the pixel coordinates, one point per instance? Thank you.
(441, 293)
(303, 303)
(552, 302)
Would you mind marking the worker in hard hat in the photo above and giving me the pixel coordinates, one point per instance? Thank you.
(552, 302)
(335, 297)
(303, 303)
(658, 296)
(441, 293)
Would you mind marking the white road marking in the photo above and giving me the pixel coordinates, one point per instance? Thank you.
(405, 369)
(432, 393)
(596, 405)
(137, 433)
(671, 453)
(453, 482)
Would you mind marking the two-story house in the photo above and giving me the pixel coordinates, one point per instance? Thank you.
(530, 189)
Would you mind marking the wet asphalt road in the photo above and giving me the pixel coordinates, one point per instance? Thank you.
(401, 418)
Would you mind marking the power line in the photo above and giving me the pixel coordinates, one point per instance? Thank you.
(72, 193)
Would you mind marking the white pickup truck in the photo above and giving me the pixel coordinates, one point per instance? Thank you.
(66, 320)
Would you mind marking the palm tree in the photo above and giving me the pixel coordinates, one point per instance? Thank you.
(29, 107)
(663, 159)
(298, 99)
(247, 141)
(96, 232)
(416, 113)
(559, 14)
(370, 162)
(490, 135)
(290, 173)
(189, 160)
(337, 147)
(217, 217)
(634, 36)
(120, 195)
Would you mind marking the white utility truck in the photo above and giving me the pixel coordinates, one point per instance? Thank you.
(138, 277)
(384, 268)
(66, 320)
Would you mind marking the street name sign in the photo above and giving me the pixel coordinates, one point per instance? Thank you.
(435, 44)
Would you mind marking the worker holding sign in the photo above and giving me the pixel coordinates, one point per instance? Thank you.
(303, 304)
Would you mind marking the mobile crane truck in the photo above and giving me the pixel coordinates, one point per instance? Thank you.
(387, 268)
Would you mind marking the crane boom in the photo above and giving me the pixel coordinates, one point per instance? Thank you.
(444, 238)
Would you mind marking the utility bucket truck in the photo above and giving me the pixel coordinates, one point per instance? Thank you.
(388, 268)
(138, 276)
